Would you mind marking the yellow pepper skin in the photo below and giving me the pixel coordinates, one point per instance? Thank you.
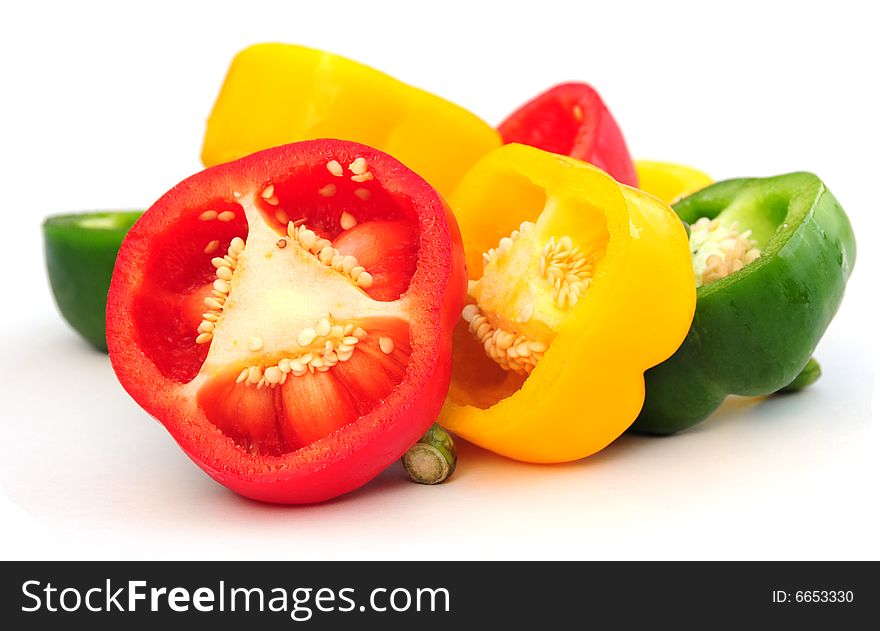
(588, 387)
(279, 93)
(669, 181)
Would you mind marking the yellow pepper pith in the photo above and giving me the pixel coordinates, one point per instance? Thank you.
(668, 181)
(588, 386)
(278, 93)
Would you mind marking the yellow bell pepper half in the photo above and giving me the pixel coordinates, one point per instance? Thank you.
(278, 93)
(669, 181)
(578, 284)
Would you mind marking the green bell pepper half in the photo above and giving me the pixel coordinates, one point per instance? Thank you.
(80, 254)
(755, 330)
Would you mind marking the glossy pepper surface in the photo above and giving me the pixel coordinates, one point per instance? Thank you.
(279, 93)
(571, 119)
(755, 327)
(669, 181)
(578, 285)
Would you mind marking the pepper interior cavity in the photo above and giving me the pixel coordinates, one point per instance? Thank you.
(529, 283)
(720, 249)
(301, 328)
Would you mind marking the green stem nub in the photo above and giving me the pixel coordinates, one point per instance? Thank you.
(432, 459)
(807, 377)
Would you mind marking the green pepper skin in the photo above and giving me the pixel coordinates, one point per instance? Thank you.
(755, 330)
(80, 253)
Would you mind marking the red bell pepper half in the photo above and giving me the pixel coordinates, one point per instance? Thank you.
(571, 119)
(288, 316)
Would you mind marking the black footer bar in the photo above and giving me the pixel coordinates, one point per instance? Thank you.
(339, 595)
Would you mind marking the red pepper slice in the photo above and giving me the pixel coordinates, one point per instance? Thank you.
(288, 316)
(572, 119)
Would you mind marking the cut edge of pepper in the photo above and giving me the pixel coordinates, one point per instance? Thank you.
(797, 212)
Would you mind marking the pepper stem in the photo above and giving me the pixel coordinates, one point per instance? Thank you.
(807, 377)
(431, 460)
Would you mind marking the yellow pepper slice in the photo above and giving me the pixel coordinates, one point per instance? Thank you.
(577, 383)
(278, 93)
(669, 181)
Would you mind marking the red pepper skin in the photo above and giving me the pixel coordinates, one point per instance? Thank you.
(155, 357)
(571, 119)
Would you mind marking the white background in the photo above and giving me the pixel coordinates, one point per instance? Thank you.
(103, 106)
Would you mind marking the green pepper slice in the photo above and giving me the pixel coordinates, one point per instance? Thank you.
(80, 253)
(756, 328)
